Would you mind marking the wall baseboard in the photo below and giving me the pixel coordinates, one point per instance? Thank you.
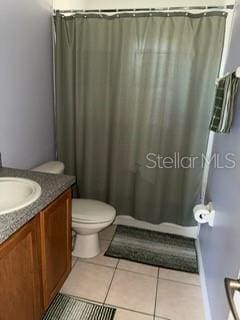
(203, 283)
(191, 232)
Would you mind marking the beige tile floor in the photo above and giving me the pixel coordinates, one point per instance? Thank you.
(137, 291)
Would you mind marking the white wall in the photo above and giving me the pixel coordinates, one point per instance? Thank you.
(105, 4)
(220, 244)
(26, 86)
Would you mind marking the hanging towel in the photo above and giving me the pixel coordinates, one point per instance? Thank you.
(222, 116)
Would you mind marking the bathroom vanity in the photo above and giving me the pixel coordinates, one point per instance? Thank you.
(35, 253)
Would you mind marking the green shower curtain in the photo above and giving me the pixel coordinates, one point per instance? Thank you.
(129, 92)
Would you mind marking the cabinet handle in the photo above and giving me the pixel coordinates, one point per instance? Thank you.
(232, 285)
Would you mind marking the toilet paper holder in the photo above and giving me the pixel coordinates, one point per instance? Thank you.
(204, 213)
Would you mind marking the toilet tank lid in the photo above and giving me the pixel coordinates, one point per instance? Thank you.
(55, 167)
(92, 211)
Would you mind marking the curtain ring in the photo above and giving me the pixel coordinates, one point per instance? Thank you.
(206, 8)
(134, 12)
(83, 12)
(187, 11)
(225, 8)
(150, 12)
(168, 11)
(117, 11)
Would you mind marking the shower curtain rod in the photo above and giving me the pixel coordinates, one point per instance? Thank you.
(226, 7)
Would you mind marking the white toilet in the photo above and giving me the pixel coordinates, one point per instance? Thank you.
(88, 217)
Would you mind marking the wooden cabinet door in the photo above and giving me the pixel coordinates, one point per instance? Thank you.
(20, 275)
(55, 225)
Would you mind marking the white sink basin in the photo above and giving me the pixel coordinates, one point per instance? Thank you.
(17, 193)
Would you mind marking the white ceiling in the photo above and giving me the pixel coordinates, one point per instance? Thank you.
(118, 4)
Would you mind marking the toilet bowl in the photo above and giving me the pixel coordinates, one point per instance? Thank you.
(89, 217)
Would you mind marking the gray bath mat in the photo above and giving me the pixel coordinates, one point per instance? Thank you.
(66, 307)
(154, 248)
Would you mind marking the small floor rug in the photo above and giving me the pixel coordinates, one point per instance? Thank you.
(154, 248)
(66, 307)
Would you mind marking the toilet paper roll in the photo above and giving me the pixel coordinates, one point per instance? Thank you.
(201, 213)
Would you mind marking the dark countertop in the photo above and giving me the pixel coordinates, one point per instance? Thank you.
(52, 186)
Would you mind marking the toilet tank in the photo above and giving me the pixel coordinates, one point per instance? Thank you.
(55, 167)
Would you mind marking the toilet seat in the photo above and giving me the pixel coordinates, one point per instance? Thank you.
(91, 211)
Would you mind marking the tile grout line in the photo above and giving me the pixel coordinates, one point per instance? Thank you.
(120, 307)
(136, 272)
(96, 264)
(115, 269)
(181, 282)
(103, 265)
(162, 318)
(131, 310)
(155, 304)
(114, 306)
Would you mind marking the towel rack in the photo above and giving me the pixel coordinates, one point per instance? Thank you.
(237, 74)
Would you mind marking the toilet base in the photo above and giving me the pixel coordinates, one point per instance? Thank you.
(86, 246)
